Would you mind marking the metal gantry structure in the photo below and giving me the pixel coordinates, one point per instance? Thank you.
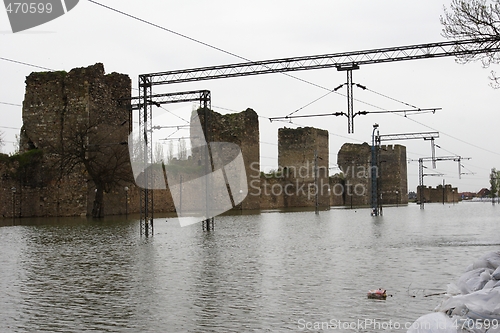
(421, 174)
(376, 140)
(351, 115)
(144, 103)
(344, 61)
(374, 171)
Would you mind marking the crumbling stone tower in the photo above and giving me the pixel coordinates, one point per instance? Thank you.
(83, 112)
(355, 162)
(298, 151)
(393, 184)
(241, 129)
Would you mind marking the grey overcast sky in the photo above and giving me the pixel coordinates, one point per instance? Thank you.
(264, 29)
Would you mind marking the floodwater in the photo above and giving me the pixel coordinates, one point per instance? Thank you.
(265, 272)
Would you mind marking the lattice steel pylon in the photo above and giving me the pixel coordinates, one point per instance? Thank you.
(146, 101)
(342, 61)
(374, 172)
(146, 139)
(375, 175)
(421, 173)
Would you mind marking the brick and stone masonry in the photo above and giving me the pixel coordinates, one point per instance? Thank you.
(354, 161)
(57, 107)
(438, 194)
(293, 184)
(241, 129)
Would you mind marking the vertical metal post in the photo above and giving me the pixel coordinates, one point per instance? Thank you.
(421, 181)
(316, 196)
(145, 128)
(374, 174)
(493, 180)
(350, 100)
(459, 168)
(433, 151)
(205, 101)
(443, 191)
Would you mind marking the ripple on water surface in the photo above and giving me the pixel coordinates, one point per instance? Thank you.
(265, 272)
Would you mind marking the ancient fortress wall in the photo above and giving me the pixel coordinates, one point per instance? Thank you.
(393, 184)
(57, 107)
(241, 129)
(85, 107)
(56, 104)
(355, 163)
(294, 184)
(437, 194)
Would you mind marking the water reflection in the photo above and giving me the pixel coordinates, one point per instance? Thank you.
(70, 272)
(252, 273)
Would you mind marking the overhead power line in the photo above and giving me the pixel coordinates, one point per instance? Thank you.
(201, 42)
(12, 104)
(391, 98)
(454, 137)
(168, 30)
(435, 47)
(174, 114)
(26, 64)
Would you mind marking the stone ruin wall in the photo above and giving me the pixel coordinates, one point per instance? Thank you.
(293, 184)
(354, 160)
(393, 174)
(57, 104)
(439, 194)
(241, 129)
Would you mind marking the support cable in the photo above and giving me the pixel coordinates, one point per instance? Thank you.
(26, 64)
(314, 101)
(453, 137)
(174, 114)
(198, 41)
(235, 55)
(168, 30)
(391, 98)
(11, 104)
(460, 165)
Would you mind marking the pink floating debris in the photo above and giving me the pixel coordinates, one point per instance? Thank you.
(377, 293)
